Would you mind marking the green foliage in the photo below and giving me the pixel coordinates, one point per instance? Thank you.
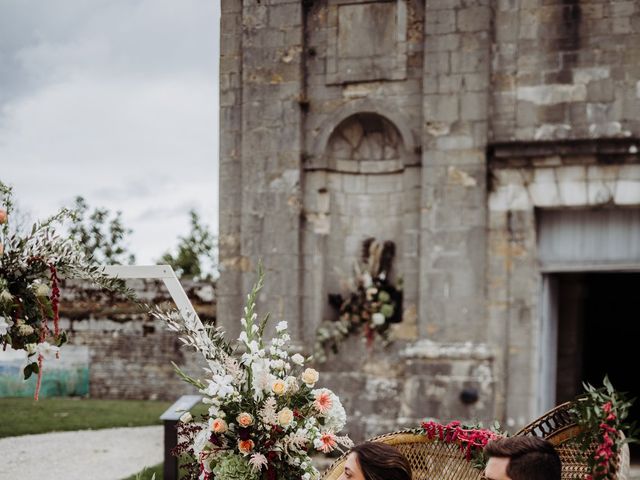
(30, 266)
(196, 254)
(24, 416)
(602, 413)
(231, 466)
(101, 234)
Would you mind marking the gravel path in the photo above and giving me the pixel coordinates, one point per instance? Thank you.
(109, 454)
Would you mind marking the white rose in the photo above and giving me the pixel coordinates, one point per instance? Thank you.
(186, 417)
(310, 377)
(297, 359)
(5, 296)
(378, 318)
(285, 417)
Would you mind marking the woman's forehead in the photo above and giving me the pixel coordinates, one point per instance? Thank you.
(352, 460)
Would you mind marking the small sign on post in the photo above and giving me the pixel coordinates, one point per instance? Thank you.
(170, 418)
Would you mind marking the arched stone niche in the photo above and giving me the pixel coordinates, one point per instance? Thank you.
(367, 187)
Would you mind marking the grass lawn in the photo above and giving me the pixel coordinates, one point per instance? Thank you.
(22, 416)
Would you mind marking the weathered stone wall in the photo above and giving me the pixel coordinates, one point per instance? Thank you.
(442, 125)
(454, 139)
(261, 87)
(384, 390)
(130, 353)
(566, 69)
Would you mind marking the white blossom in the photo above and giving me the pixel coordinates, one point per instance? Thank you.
(282, 326)
(5, 325)
(378, 319)
(257, 461)
(220, 386)
(47, 350)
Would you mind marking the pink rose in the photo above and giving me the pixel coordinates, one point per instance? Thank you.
(219, 425)
(245, 419)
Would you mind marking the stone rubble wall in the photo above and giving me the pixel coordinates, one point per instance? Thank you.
(566, 70)
(130, 353)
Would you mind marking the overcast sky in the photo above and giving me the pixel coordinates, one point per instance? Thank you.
(117, 101)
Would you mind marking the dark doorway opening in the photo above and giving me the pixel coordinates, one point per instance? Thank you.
(598, 335)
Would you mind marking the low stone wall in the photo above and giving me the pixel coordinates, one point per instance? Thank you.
(130, 353)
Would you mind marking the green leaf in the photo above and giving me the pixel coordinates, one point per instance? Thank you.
(30, 369)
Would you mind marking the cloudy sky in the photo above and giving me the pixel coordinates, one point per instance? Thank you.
(117, 101)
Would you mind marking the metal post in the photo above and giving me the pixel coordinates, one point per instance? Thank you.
(170, 418)
(170, 469)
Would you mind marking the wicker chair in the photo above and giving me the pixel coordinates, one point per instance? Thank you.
(558, 427)
(430, 460)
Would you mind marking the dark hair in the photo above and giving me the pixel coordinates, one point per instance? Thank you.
(530, 458)
(380, 461)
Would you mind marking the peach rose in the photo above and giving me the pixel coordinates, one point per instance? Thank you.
(285, 417)
(1, 249)
(219, 425)
(245, 446)
(3, 216)
(310, 376)
(245, 419)
(279, 387)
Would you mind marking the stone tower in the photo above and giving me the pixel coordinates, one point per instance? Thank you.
(481, 137)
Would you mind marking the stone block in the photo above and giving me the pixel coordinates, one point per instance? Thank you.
(600, 91)
(441, 108)
(442, 43)
(440, 22)
(436, 63)
(474, 19)
(474, 61)
(527, 114)
(474, 106)
(285, 15)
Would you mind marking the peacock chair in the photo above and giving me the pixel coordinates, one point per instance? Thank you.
(433, 460)
(429, 459)
(558, 426)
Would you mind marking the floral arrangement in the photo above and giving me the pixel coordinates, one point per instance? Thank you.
(266, 414)
(601, 412)
(470, 439)
(372, 302)
(30, 270)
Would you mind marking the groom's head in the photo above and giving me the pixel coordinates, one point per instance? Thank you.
(522, 458)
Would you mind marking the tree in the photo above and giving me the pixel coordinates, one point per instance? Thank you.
(101, 234)
(196, 255)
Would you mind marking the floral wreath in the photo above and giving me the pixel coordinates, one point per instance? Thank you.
(30, 266)
(471, 439)
(371, 303)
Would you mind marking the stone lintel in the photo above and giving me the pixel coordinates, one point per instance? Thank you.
(602, 150)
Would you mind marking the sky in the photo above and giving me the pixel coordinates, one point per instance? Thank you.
(117, 101)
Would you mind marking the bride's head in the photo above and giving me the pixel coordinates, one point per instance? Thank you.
(376, 461)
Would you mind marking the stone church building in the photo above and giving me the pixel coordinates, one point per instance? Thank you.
(495, 142)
